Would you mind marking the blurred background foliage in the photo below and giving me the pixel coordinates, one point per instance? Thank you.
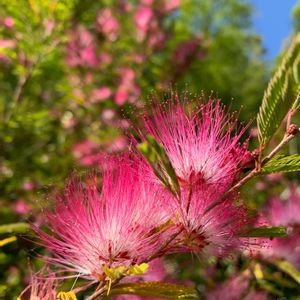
(73, 71)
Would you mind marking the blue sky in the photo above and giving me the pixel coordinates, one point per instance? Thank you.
(272, 20)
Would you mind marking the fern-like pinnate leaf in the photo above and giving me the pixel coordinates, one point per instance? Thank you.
(282, 163)
(279, 96)
(296, 104)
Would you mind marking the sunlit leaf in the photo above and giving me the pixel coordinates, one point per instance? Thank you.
(264, 231)
(279, 96)
(7, 241)
(156, 289)
(289, 269)
(14, 228)
(282, 163)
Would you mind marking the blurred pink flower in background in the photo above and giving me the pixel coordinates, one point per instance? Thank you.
(118, 144)
(87, 153)
(142, 19)
(107, 24)
(49, 26)
(108, 114)
(100, 94)
(7, 43)
(236, 288)
(121, 95)
(156, 39)
(81, 49)
(105, 58)
(28, 185)
(186, 50)
(21, 207)
(283, 213)
(8, 22)
(127, 90)
(170, 5)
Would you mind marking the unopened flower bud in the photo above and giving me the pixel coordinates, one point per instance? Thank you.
(293, 129)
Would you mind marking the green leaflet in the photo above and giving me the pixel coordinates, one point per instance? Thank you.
(264, 231)
(14, 228)
(296, 104)
(282, 163)
(289, 269)
(159, 161)
(156, 289)
(279, 97)
(8, 241)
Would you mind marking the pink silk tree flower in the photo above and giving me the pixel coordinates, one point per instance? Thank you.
(41, 287)
(121, 225)
(202, 143)
(207, 158)
(215, 231)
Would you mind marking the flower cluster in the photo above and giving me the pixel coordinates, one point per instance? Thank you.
(103, 226)
(117, 226)
(207, 158)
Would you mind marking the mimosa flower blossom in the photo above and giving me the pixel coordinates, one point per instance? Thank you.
(213, 232)
(203, 145)
(121, 225)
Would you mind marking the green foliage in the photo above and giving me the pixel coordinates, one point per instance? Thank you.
(296, 104)
(14, 228)
(265, 231)
(279, 96)
(156, 289)
(282, 163)
(228, 42)
(289, 269)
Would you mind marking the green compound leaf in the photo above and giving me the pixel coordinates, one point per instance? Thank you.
(156, 289)
(14, 228)
(289, 269)
(279, 97)
(160, 163)
(282, 163)
(264, 231)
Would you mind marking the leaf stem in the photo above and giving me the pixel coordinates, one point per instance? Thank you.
(287, 138)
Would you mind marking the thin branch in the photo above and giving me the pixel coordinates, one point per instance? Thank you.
(287, 138)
